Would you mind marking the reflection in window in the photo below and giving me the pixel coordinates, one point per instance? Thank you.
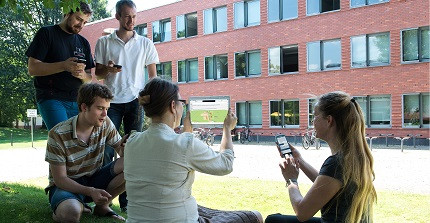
(282, 10)
(142, 30)
(285, 62)
(284, 113)
(311, 109)
(161, 31)
(186, 25)
(320, 6)
(324, 55)
(416, 110)
(188, 70)
(415, 44)
(370, 50)
(380, 110)
(358, 3)
(246, 14)
(215, 20)
(164, 70)
(249, 113)
(216, 67)
(248, 63)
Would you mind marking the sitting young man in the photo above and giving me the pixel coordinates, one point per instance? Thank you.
(75, 155)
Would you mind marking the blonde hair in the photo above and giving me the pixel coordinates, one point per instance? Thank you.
(355, 155)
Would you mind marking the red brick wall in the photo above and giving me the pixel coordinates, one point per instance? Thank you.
(395, 79)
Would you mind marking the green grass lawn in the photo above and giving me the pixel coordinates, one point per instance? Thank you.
(21, 138)
(26, 201)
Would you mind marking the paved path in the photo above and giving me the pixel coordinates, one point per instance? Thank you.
(406, 172)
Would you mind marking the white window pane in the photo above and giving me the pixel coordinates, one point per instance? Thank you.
(311, 107)
(379, 49)
(314, 56)
(332, 54)
(289, 9)
(410, 45)
(180, 26)
(253, 13)
(371, 2)
(380, 113)
(254, 63)
(273, 10)
(193, 70)
(239, 16)
(313, 7)
(166, 32)
(275, 60)
(356, 3)
(208, 22)
(255, 113)
(411, 110)
(358, 51)
(221, 19)
(209, 73)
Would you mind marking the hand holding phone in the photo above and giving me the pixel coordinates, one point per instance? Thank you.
(117, 66)
(283, 145)
(80, 60)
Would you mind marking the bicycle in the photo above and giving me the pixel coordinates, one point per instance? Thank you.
(245, 134)
(309, 139)
(206, 136)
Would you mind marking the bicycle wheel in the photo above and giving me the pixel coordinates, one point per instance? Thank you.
(250, 136)
(210, 140)
(305, 142)
(242, 138)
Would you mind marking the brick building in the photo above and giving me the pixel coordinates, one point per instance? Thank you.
(273, 56)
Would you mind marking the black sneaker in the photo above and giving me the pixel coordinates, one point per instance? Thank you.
(124, 210)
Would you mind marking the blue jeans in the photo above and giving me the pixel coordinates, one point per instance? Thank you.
(278, 218)
(55, 111)
(99, 179)
(132, 117)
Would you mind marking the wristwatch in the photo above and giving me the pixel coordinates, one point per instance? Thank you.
(291, 181)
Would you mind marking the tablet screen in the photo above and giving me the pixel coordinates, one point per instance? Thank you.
(209, 110)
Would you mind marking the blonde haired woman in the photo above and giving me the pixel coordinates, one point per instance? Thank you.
(343, 189)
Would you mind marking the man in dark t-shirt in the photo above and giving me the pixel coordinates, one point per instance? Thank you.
(60, 60)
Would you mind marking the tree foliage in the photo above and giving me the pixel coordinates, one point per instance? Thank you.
(19, 22)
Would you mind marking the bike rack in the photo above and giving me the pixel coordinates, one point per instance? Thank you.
(386, 138)
(295, 135)
(371, 138)
(414, 137)
(258, 134)
(401, 141)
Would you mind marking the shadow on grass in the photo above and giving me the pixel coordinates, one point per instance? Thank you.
(22, 203)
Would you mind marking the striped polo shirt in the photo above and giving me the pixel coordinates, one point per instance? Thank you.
(81, 159)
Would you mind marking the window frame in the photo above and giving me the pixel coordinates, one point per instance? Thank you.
(246, 64)
(185, 21)
(245, 14)
(142, 27)
(366, 4)
(283, 124)
(187, 70)
(281, 12)
(320, 8)
(281, 60)
(368, 64)
(161, 28)
(214, 58)
(163, 71)
(421, 106)
(368, 114)
(311, 115)
(214, 13)
(247, 113)
(321, 55)
(419, 41)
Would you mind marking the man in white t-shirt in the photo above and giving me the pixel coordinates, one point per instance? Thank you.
(132, 52)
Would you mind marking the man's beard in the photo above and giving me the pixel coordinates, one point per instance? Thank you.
(126, 28)
(70, 29)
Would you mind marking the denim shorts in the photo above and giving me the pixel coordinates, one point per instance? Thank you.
(99, 180)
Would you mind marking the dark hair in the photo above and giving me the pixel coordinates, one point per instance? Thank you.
(83, 7)
(157, 96)
(88, 92)
(121, 3)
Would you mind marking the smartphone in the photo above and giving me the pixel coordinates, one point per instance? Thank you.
(117, 66)
(81, 61)
(284, 147)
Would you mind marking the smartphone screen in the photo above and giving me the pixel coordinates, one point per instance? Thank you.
(283, 145)
(81, 60)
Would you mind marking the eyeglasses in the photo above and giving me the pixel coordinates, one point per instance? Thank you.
(184, 102)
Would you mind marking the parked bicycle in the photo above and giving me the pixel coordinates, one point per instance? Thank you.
(309, 139)
(245, 135)
(206, 136)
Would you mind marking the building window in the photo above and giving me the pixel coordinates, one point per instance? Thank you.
(164, 70)
(324, 55)
(416, 110)
(284, 113)
(142, 30)
(248, 63)
(246, 14)
(186, 25)
(282, 10)
(376, 110)
(311, 109)
(216, 67)
(249, 113)
(188, 70)
(370, 50)
(161, 31)
(284, 59)
(358, 3)
(215, 20)
(321, 6)
(415, 44)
